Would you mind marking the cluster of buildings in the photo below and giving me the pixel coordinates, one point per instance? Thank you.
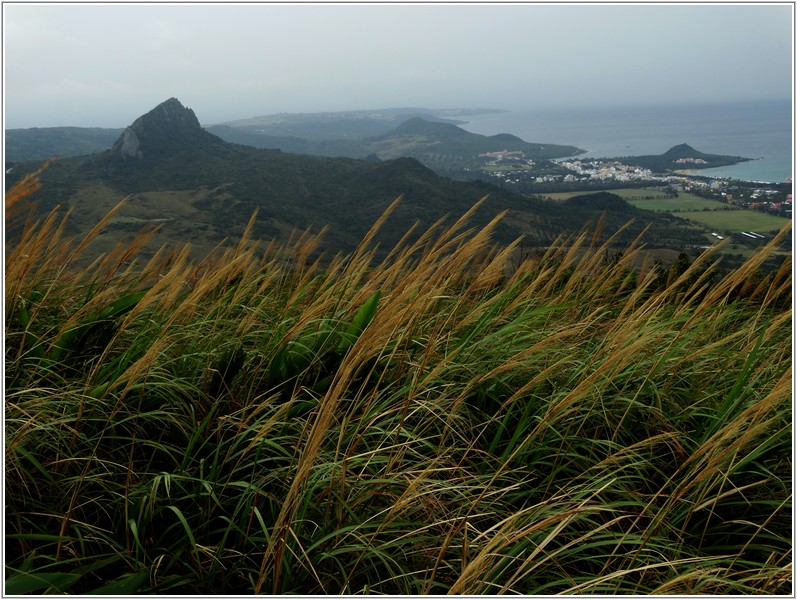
(513, 168)
(768, 199)
(605, 170)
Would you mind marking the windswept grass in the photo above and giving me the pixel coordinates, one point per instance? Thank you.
(433, 423)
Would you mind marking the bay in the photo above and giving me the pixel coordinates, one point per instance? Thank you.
(759, 130)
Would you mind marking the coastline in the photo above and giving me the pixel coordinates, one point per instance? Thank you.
(760, 170)
(760, 129)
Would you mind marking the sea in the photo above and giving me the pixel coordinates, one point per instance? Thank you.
(761, 130)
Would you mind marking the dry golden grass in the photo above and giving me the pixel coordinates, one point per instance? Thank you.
(442, 420)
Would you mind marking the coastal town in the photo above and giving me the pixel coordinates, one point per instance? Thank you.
(512, 170)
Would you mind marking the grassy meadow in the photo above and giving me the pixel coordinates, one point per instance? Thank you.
(446, 420)
(683, 202)
(737, 220)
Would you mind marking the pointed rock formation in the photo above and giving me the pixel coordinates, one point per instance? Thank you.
(167, 128)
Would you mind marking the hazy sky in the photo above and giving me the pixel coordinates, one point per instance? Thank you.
(105, 65)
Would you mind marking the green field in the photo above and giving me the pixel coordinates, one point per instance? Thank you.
(736, 220)
(692, 207)
(684, 201)
(717, 217)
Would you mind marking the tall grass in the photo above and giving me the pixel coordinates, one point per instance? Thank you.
(434, 422)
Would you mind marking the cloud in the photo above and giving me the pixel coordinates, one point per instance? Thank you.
(114, 62)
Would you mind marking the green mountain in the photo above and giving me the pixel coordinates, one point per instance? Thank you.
(201, 189)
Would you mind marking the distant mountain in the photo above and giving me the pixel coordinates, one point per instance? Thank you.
(419, 126)
(431, 136)
(440, 145)
(432, 143)
(292, 132)
(41, 143)
(203, 190)
(344, 125)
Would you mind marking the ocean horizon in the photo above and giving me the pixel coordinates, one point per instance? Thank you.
(757, 130)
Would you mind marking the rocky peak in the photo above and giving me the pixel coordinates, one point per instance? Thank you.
(166, 127)
(172, 112)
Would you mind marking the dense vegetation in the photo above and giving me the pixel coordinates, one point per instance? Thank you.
(442, 420)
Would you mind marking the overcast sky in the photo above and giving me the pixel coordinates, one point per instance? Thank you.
(105, 65)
